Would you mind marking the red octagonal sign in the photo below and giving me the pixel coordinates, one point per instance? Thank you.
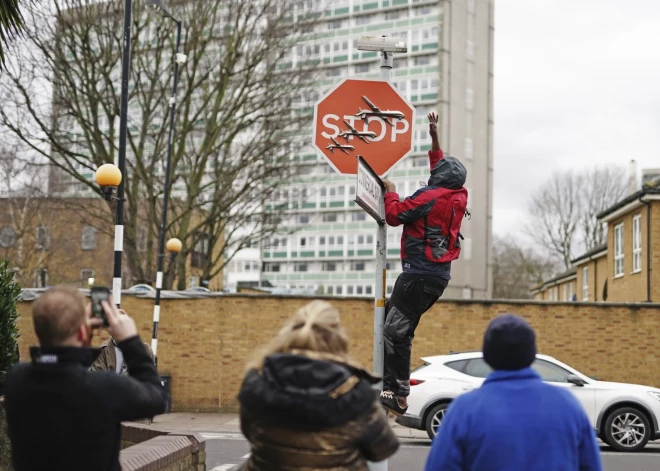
(363, 117)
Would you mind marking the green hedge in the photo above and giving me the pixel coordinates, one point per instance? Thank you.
(9, 292)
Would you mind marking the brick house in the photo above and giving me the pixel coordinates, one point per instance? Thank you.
(61, 241)
(623, 269)
(560, 288)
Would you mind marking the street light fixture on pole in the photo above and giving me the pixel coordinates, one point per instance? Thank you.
(180, 59)
(121, 161)
(386, 46)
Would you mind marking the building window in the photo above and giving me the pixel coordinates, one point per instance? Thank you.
(85, 275)
(362, 68)
(368, 289)
(570, 291)
(334, 24)
(7, 237)
(349, 289)
(565, 292)
(41, 278)
(200, 251)
(329, 289)
(300, 267)
(469, 50)
(468, 148)
(357, 266)
(618, 250)
(43, 237)
(358, 290)
(585, 284)
(395, 15)
(329, 266)
(466, 248)
(330, 217)
(194, 281)
(272, 267)
(141, 238)
(423, 60)
(339, 290)
(469, 98)
(637, 243)
(89, 238)
(361, 216)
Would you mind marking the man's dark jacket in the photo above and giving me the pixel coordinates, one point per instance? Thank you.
(61, 416)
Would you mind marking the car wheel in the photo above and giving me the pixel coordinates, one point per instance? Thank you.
(627, 429)
(434, 419)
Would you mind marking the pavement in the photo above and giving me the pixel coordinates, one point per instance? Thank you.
(227, 449)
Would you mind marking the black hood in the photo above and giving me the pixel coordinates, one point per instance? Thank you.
(297, 391)
(449, 173)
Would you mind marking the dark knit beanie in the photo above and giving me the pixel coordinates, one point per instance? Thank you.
(509, 343)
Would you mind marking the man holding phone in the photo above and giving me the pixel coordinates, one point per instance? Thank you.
(73, 414)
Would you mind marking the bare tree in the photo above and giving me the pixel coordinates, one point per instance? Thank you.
(517, 268)
(563, 210)
(235, 125)
(601, 188)
(21, 191)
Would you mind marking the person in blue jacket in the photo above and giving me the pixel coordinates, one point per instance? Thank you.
(514, 421)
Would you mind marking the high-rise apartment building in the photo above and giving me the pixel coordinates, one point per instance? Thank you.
(328, 243)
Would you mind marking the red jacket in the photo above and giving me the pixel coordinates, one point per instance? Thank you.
(431, 218)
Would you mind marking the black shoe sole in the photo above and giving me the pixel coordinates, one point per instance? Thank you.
(397, 413)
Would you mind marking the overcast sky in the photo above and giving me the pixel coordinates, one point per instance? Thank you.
(577, 83)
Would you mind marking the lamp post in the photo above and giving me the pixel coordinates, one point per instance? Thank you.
(121, 160)
(174, 246)
(109, 178)
(180, 59)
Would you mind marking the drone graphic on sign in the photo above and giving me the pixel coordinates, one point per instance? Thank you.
(337, 145)
(381, 133)
(375, 112)
(363, 136)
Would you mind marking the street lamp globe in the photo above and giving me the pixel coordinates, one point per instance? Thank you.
(174, 245)
(108, 177)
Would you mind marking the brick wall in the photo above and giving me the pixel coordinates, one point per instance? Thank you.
(204, 343)
(153, 450)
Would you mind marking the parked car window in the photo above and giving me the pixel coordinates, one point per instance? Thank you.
(551, 372)
(478, 368)
(457, 365)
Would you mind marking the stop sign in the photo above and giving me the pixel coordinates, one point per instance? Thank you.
(363, 117)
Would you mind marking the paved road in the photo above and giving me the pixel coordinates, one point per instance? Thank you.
(226, 451)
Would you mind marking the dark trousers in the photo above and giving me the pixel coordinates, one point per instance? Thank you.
(412, 296)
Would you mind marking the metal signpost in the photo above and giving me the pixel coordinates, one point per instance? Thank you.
(368, 118)
(370, 196)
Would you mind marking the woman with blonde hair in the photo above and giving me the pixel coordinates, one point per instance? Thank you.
(306, 405)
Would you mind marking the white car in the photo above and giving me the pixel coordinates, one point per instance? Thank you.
(625, 416)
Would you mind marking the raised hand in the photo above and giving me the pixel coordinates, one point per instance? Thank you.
(121, 326)
(433, 123)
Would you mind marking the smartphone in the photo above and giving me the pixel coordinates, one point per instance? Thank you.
(99, 294)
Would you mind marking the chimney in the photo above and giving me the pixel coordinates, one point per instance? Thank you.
(632, 177)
